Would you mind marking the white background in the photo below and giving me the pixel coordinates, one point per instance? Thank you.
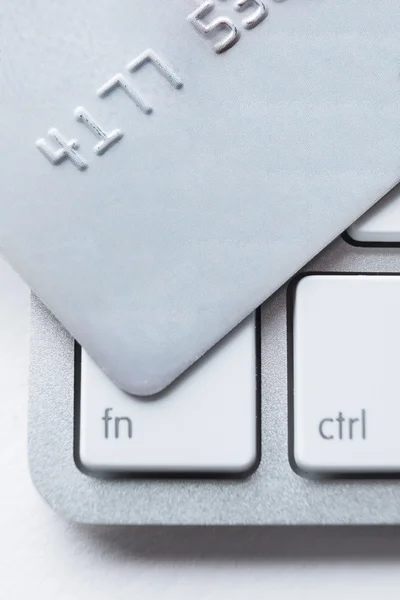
(45, 558)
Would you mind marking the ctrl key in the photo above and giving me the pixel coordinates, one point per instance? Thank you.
(346, 374)
(205, 423)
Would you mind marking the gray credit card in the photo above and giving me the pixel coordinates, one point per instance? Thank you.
(166, 165)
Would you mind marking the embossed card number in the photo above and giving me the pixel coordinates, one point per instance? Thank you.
(60, 148)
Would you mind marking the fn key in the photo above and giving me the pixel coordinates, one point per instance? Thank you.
(205, 423)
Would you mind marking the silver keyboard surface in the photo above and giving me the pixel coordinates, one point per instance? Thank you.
(292, 419)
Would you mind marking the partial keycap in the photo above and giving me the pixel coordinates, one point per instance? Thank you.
(381, 224)
(346, 374)
(205, 423)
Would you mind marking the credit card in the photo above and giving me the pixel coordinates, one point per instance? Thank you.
(166, 166)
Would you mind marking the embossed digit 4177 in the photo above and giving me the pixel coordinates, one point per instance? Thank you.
(62, 149)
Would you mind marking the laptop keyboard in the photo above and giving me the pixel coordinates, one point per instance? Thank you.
(297, 408)
(344, 332)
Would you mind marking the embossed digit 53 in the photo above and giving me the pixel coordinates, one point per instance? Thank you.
(196, 18)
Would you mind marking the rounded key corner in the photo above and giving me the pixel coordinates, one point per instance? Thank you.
(349, 238)
(296, 281)
(250, 466)
(352, 241)
(291, 291)
(302, 468)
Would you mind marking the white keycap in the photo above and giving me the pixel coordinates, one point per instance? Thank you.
(381, 223)
(346, 373)
(205, 423)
